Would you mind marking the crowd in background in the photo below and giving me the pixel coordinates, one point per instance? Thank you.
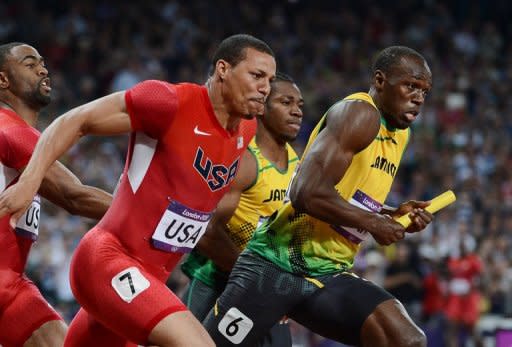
(448, 276)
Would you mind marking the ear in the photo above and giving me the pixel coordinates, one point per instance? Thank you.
(378, 79)
(221, 68)
(4, 80)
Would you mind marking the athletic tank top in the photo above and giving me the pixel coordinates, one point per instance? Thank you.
(257, 203)
(302, 244)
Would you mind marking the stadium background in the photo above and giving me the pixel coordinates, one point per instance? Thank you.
(461, 140)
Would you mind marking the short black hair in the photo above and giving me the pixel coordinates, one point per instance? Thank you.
(390, 57)
(5, 50)
(282, 77)
(232, 49)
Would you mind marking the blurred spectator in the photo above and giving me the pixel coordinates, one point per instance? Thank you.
(403, 279)
(463, 301)
(461, 141)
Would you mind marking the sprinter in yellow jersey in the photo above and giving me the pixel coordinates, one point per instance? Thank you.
(257, 192)
(298, 262)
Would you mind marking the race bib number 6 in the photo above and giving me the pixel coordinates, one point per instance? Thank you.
(180, 228)
(235, 325)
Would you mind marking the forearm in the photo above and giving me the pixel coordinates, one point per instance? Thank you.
(92, 203)
(333, 209)
(54, 141)
(104, 116)
(218, 246)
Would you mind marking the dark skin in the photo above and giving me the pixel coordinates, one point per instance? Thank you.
(350, 127)
(236, 92)
(280, 123)
(25, 89)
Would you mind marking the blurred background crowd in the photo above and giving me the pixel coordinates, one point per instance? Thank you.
(455, 278)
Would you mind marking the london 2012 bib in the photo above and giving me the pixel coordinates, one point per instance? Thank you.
(180, 228)
(365, 202)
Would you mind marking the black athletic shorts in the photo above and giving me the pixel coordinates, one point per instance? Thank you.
(200, 298)
(259, 294)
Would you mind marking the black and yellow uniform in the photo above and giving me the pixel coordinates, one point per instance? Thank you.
(265, 195)
(298, 265)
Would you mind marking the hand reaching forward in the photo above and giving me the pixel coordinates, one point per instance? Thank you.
(420, 218)
(385, 230)
(15, 200)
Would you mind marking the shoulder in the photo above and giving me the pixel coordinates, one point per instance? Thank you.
(189, 89)
(247, 129)
(354, 121)
(354, 110)
(151, 89)
(17, 130)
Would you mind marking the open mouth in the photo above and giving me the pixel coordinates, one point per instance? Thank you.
(45, 83)
(411, 115)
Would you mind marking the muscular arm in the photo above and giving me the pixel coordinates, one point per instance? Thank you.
(350, 127)
(104, 116)
(64, 189)
(216, 244)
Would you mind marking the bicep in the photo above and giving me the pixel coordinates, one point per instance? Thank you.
(349, 129)
(104, 116)
(326, 156)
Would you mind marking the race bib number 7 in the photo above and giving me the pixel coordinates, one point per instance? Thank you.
(129, 283)
(28, 224)
(180, 228)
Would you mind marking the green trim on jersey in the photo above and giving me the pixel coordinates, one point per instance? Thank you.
(251, 150)
(257, 202)
(302, 244)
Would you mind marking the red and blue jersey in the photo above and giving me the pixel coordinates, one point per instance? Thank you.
(180, 163)
(17, 142)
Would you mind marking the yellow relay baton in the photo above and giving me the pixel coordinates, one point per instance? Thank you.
(437, 203)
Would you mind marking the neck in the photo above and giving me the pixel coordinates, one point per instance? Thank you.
(373, 93)
(272, 148)
(28, 114)
(223, 114)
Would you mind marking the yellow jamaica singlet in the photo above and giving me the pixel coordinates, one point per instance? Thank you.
(303, 244)
(257, 203)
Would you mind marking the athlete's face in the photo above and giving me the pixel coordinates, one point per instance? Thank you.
(247, 84)
(402, 91)
(283, 112)
(26, 76)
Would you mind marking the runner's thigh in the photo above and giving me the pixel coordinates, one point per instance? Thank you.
(339, 309)
(200, 298)
(121, 294)
(24, 310)
(257, 296)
